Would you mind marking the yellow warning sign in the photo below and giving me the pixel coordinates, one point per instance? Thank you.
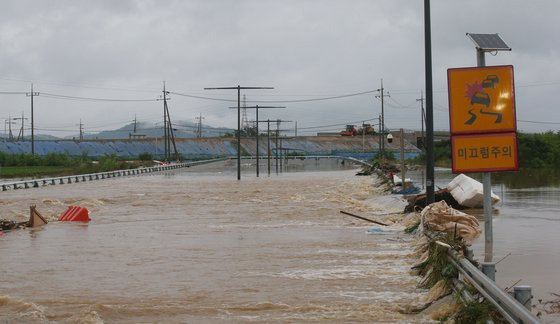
(481, 100)
(484, 152)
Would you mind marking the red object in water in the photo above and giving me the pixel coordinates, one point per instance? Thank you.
(75, 214)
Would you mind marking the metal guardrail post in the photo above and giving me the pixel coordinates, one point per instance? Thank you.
(523, 295)
(489, 269)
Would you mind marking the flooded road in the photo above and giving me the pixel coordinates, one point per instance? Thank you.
(202, 247)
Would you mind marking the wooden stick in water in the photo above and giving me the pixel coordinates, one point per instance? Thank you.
(366, 219)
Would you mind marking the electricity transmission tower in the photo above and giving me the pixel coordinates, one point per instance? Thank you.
(81, 130)
(244, 120)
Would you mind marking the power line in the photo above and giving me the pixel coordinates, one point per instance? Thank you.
(58, 96)
(333, 125)
(81, 85)
(278, 101)
(538, 122)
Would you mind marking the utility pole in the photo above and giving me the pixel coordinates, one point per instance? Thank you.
(380, 134)
(278, 122)
(32, 94)
(276, 144)
(134, 123)
(165, 127)
(238, 88)
(168, 136)
(281, 157)
(382, 122)
(363, 136)
(403, 166)
(10, 134)
(422, 119)
(296, 130)
(20, 134)
(257, 107)
(199, 126)
(430, 195)
(268, 143)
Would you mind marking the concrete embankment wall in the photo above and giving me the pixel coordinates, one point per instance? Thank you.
(208, 147)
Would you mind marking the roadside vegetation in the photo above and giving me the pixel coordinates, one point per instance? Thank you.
(442, 155)
(58, 164)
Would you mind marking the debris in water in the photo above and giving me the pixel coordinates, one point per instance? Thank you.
(364, 218)
(375, 230)
(75, 214)
(35, 218)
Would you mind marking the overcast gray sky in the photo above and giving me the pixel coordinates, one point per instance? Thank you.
(305, 49)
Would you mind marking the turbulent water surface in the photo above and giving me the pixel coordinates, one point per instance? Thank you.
(189, 246)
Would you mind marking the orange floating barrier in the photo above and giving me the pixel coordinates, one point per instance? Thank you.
(75, 214)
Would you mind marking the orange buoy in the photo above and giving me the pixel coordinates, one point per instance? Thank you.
(75, 214)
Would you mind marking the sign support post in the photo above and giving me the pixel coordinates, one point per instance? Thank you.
(487, 192)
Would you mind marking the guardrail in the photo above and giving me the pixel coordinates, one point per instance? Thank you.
(307, 157)
(35, 183)
(514, 311)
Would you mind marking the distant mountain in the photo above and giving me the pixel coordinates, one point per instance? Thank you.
(181, 129)
(37, 137)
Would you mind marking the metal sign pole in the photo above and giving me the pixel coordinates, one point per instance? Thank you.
(487, 192)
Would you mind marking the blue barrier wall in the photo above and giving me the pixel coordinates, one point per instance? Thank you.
(207, 147)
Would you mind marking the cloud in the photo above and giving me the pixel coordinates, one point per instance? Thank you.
(125, 49)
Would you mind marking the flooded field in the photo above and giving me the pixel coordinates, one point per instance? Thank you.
(198, 246)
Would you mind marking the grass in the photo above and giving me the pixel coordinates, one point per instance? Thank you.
(78, 168)
(478, 312)
(34, 171)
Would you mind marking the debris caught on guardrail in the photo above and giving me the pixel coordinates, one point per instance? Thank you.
(440, 217)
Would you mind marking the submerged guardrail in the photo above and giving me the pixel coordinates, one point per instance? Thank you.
(308, 157)
(35, 183)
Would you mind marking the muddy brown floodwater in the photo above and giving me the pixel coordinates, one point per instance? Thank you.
(204, 248)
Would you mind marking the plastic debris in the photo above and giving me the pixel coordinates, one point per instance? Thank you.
(375, 230)
(442, 218)
(469, 192)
